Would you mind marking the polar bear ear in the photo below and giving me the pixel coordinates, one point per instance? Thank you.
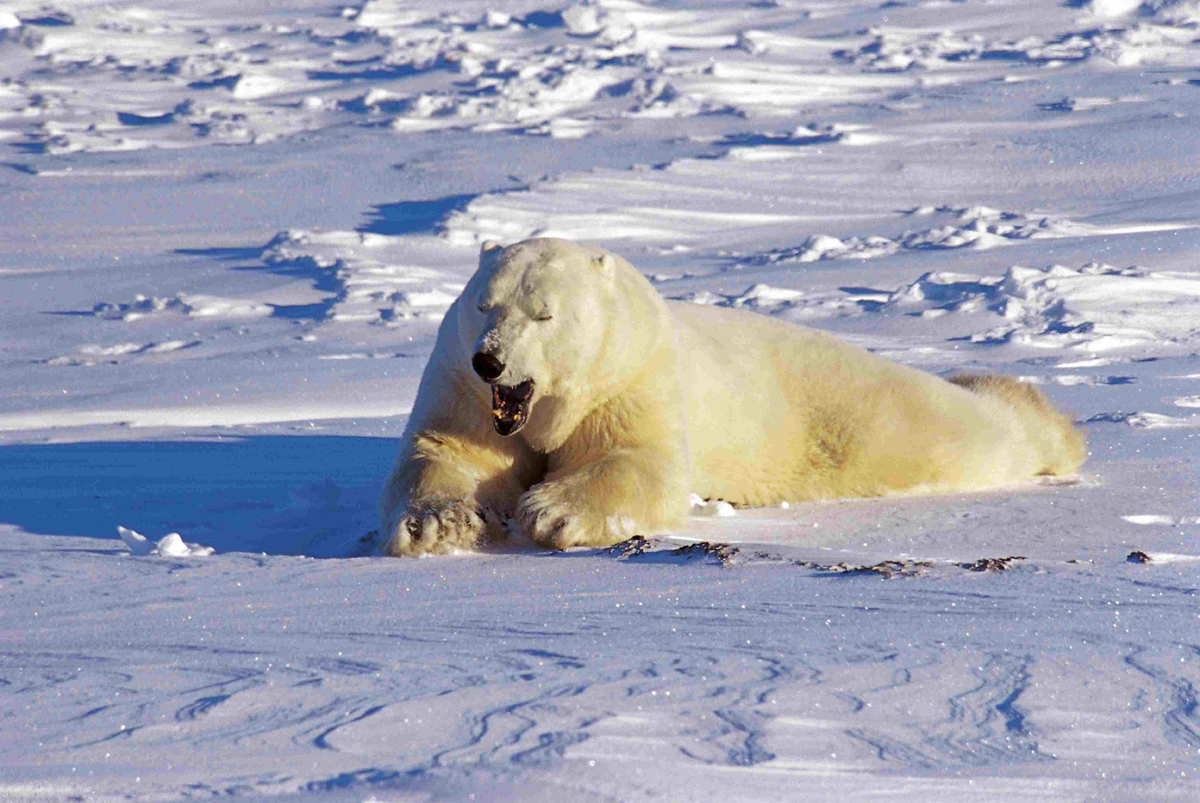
(608, 267)
(489, 253)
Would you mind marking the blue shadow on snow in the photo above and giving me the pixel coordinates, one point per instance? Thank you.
(278, 494)
(410, 217)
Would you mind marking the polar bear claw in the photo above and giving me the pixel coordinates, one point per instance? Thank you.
(550, 519)
(438, 528)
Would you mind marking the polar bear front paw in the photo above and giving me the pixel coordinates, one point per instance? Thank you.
(557, 523)
(437, 528)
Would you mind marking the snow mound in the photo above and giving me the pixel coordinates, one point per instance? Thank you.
(711, 508)
(169, 546)
(758, 296)
(191, 305)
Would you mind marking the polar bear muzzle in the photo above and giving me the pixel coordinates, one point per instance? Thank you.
(510, 406)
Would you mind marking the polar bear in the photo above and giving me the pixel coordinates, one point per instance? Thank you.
(566, 398)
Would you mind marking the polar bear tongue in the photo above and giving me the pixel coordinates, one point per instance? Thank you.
(510, 406)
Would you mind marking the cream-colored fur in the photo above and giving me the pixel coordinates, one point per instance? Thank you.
(638, 401)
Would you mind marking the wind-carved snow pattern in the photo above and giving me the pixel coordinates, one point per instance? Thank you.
(673, 205)
(558, 72)
(553, 72)
(96, 353)
(1095, 308)
(191, 305)
(364, 274)
(736, 190)
(758, 297)
(1144, 420)
(1159, 32)
(978, 227)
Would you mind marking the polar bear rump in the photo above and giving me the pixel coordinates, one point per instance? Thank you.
(567, 403)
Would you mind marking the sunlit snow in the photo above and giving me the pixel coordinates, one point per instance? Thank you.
(230, 230)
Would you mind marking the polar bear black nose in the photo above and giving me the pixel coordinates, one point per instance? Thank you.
(487, 366)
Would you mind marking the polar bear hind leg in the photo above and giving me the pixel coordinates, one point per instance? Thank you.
(1059, 444)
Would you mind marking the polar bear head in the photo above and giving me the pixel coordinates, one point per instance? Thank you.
(553, 328)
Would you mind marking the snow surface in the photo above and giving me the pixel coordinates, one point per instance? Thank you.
(230, 231)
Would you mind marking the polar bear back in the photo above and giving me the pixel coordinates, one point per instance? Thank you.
(779, 412)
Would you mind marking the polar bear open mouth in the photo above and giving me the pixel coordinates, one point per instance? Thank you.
(510, 406)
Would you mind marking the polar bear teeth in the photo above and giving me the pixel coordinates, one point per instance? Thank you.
(510, 406)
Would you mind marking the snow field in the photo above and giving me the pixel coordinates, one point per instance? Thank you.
(231, 230)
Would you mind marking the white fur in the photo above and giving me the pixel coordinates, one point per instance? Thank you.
(638, 401)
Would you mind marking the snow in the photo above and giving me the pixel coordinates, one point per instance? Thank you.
(170, 545)
(230, 233)
(711, 507)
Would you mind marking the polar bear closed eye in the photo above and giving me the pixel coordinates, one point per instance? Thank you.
(566, 398)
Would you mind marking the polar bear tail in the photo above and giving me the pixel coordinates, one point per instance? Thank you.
(1059, 446)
